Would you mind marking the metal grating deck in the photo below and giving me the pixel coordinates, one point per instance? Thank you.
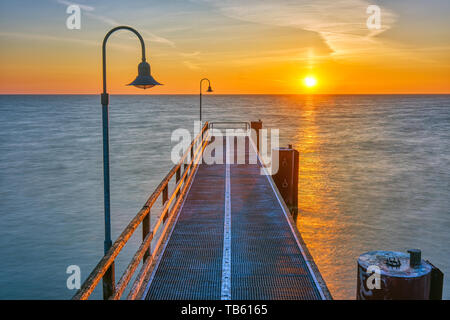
(266, 261)
(191, 265)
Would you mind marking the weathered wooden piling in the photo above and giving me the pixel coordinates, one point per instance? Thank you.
(286, 178)
(388, 275)
(437, 282)
(256, 126)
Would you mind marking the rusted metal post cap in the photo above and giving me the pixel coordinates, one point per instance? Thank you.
(415, 257)
(397, 279)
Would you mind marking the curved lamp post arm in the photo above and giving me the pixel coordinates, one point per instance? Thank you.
(105, 116)
(104, 49)
(209, 83)
(201, 81)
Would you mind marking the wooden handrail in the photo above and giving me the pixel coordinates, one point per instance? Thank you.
(123, 282)
(96, 275)
(126, 277)
(152, 199)
(147, 264)
(246, 123)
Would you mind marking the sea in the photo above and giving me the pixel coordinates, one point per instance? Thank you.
(374, 175)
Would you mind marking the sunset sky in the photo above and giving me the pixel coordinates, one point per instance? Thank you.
(243, 46)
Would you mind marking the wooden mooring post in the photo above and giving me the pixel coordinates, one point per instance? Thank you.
(391, 275)
(256, 126)
(286, 178)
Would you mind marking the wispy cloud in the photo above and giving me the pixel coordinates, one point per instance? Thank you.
(190, 54)
(82, 6)
(155, 38)
(104, 19)
(341, 23)
(192, 59)
(112, 22)
(191, 65)
(43, 37)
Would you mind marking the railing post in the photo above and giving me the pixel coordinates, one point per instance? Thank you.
(165, 193)
(165, 197)
(177, 179)
(108, 282)
(145, 232)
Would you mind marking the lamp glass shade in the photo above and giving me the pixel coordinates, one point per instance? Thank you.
(209, 89)
(144, 79)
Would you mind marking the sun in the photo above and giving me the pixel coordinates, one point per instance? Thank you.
(310, 81)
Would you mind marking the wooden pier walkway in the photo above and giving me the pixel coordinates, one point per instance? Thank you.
(231, 236)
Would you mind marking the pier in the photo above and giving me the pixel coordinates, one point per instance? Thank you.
(224, 233)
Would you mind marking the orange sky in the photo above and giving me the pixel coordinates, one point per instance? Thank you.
(242, 47)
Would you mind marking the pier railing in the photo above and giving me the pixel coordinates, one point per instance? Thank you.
(223, 125)
(183, 171)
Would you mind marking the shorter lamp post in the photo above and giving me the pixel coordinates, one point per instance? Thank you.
(209, 90)
(143, 80)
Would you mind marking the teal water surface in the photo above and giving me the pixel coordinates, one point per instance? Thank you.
(374, 175)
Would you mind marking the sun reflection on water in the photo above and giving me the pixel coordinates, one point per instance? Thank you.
(318, 208)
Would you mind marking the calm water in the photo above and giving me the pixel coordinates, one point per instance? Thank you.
(374, 174)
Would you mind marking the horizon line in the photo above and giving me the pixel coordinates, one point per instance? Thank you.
(222, 94)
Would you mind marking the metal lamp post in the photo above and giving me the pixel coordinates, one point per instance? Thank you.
(144, 80)
(209, 90)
